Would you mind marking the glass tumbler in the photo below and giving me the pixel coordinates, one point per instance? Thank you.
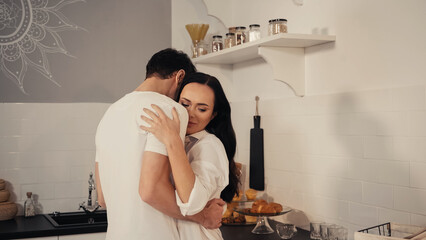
(334, 232)
(315, 230)
(286, 230)
(323, 230)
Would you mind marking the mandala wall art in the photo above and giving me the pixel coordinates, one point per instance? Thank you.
(29, 30)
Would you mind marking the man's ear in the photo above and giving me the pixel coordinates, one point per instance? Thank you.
(180, 75)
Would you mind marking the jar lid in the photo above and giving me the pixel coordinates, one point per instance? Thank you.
(278, 20)
(240, 27)
(230, 34)
(217, 36)
(254, 25)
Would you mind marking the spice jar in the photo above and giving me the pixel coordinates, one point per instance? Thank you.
(217, 43)
(277, 26)
(254, 32)
(240, 35)
(201, 49)
(229, 40)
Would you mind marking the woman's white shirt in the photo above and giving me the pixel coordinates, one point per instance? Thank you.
(209, 162)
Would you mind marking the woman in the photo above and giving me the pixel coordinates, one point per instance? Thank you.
(206, 168)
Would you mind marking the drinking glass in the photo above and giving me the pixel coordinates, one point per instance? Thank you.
(286, 230)
(315, 230)
(323, 230)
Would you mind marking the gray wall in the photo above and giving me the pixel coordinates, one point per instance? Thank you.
(110, 57)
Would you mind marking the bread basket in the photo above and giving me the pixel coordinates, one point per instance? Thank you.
(8, 210)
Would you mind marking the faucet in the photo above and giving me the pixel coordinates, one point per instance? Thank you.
(90, 208)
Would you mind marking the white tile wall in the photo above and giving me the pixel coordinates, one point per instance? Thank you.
(356, 159)
(48, 149)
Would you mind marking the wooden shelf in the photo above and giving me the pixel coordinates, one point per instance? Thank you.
(248, 51)
(285, 52)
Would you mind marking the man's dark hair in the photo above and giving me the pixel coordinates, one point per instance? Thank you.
(165, 62)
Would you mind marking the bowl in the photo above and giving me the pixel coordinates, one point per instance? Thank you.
(4, 195)
(8, 210)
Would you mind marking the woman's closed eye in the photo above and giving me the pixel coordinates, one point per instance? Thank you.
(184, 104)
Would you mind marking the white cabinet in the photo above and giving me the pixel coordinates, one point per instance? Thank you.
(87, 236)
(285, 53)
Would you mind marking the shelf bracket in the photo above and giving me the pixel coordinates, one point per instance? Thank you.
(288, 66)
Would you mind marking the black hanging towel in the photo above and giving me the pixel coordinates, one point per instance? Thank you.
(257, 170)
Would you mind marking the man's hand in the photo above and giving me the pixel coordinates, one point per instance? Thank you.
(212, 213)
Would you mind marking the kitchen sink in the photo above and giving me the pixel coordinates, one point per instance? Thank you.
(72, 219)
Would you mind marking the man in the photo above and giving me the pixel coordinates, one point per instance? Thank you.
(132, 168)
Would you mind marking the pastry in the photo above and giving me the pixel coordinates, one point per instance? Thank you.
(251, 194)
(278, 207)
(257, 205)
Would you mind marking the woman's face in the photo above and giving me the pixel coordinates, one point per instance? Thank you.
(198, 99)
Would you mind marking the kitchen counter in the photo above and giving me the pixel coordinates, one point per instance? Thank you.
(39, 226)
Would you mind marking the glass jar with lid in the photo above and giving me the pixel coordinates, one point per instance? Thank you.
(217, 43)
(276, 26)
(240, 35)
(201, 48)
(229, 40)
(253, 33)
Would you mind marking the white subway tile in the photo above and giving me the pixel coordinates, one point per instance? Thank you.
(318, 125)
(81, 173)
(408, 98)
(77, 189)
(283, 124)
(410, 149)
(410, 200)
(9, 160)
(380, 171)
(43, 190)
(389, 215)
(416, 121)
(354, 124)
(418, 220)
(332, 209)
(68, 158)
(304, 183)
(365, 101)
(283, 161)
(338, 188)
(334, 145)
(378, 147)
(380, 195)
(54, 174)
(28, 175)
(284, 143)
(279, 179)
(418, 175)
(391, 123)
(363, 214)
(325, 165)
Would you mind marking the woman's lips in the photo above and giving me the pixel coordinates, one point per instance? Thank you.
(190, 124)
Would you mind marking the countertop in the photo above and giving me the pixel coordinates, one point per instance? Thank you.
(39, 226)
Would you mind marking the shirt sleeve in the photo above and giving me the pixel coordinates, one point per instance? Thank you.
(210, 166)
(152, 143)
